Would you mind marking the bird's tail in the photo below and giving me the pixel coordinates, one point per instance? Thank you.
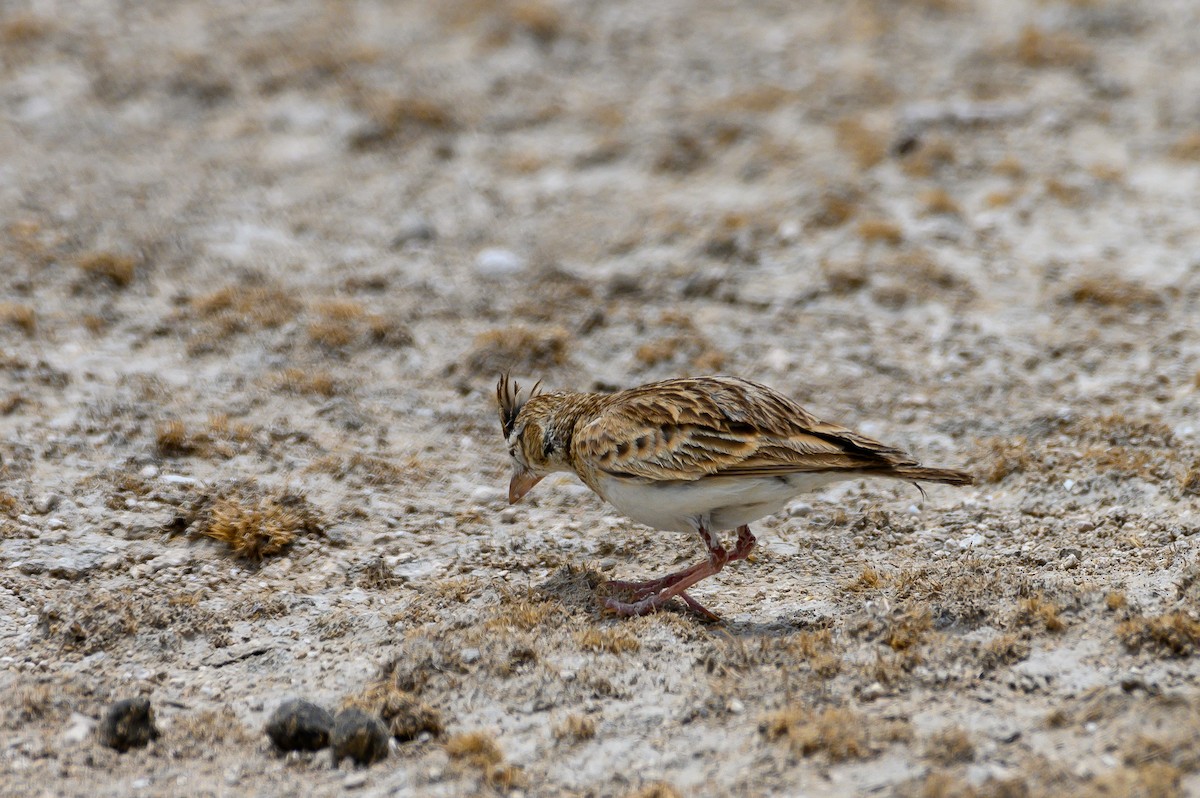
(920, 473)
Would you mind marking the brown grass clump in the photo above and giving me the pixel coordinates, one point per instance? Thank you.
(949, 746)
(836, 207)
(1174, 634)
(881, 230)
(839, 733)
(868, 147)
(1188, 147)
(406, 716)
(1115, 600)
(23, 29)
(930, 157)
(1004, 456)
(238, 309)
(1004, 649)
(307, 382)
(1037, 48)
(908, 631)
(479, 750)
(938, 201)
(1189, 481)
(254, 527)
(20, 316)
(657, 789)
(172, 439)
(519, 348)
(1112, 292)
(1039, 610)
(396, 119)
(614, 641)
(869, 579)
(118, 270)
(575, 728)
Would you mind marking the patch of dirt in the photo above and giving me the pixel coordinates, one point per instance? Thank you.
(260, 267)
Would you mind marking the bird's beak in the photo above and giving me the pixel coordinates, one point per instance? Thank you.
(522, 482)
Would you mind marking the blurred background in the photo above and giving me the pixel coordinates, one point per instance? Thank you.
(290, 245)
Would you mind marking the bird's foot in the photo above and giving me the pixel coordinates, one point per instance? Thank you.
(655, 602)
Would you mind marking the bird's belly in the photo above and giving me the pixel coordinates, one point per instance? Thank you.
(718, 503)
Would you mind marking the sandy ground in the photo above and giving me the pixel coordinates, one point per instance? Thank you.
(259, 270)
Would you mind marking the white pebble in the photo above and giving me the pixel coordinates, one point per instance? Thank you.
(508, 515)
(971, 541)
(148, 472)
(469, 655)
(486, 494)
(799, 509)
(496, 262)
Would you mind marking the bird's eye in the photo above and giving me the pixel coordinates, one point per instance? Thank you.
(512, 451)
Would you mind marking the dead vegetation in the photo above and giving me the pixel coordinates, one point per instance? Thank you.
(255, 524)
(1173, 634)
(108, 267)
(479, 751)
(519, 348)
(838, 733)
(611, 640)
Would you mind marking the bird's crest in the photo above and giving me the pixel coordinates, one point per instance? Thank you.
(510, 399)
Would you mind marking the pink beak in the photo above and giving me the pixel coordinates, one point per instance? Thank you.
(521, 484)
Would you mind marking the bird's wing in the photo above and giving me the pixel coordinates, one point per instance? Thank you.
(693, 428)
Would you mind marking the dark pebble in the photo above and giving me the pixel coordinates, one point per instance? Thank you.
(299, 725)
(360, 736)
(128, 723)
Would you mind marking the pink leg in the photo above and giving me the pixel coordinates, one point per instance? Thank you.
(653, 594)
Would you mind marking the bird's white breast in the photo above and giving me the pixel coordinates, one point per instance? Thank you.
(717, 503)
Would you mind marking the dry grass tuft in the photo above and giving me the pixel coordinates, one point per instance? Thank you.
(1116, 600)
(881, 230)
(399, 119)
(118, 270)
(908, 631)
(866, 145)
(576, 728)
(519, 348)
(258, 526)
(1189, 481)
(479, 750)
(837, 732)
(950, 746)
(657, 789)
(1037, 48)
(307, 382)
(1112, 292)
(20, 316)
(1175, 633)
(1188, 147)
(1005, 456)
(938, 201)
(406, 716)
(613, 641)
(1004, 649)
(869, 579)
(1038, 609)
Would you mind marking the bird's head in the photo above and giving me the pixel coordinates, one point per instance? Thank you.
(531, 427)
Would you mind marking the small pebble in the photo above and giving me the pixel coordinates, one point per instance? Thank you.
(799, 509)
(148, 472)
(470, 655)
(360, 736)
(486, 494)
(354, 780)
(78, 730)
(299, 725)
(496, 262)
(508, 515)
(128, 723)
(413, 228)
(45, 503)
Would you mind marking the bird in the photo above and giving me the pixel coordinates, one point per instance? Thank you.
(699, 455)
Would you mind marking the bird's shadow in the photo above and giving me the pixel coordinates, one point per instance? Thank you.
(580, 589)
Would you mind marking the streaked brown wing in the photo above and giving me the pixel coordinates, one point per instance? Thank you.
(688, 429)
